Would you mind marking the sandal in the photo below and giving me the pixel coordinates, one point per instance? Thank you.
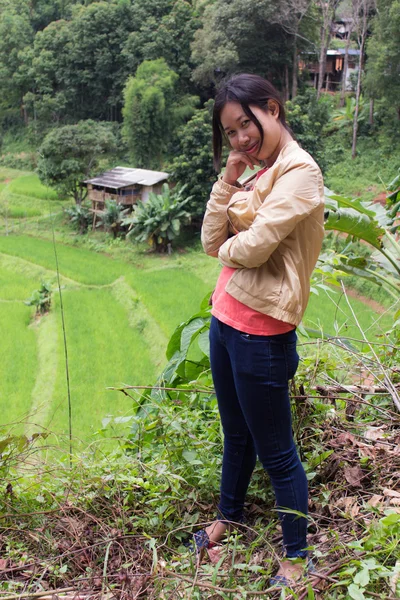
(200, 543)
(283, 581)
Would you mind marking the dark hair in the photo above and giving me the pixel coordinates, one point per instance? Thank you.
(245, 89)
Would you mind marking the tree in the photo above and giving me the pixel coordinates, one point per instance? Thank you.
(152, 112)
(77, 69)
(167, 36)
(241, 35)
(111, 218)
(383, 51)
(297, 19)
(16, 35)
(193, 165)
(70, 154)
(327, 11)
(363, 10)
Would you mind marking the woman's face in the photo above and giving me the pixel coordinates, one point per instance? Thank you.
(244, 135)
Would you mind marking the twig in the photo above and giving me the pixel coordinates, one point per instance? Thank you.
(48, 593)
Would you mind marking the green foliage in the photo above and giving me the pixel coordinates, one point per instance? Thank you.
(371, 223)
(75, 68)
(193, 164)
(240, 36)
(158, 220)
(41, 298)
(307, 116)
(164, 30)
(71, 154)
(16, 36)
(151, 112)
(383, 51)
(112, 217)
(80, 216)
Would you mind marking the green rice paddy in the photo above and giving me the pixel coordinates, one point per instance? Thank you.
(119, 314)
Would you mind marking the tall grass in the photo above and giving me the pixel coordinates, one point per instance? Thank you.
(169, 294)
(30, 185)
(14, 286)
(18, 362)
(103, 351)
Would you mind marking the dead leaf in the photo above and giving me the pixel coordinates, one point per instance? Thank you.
(344, 438)
(375, 500)
(353, 475)
(375, 433)
(395, 501)
(391, 493)
(3, 564)
(349, 505)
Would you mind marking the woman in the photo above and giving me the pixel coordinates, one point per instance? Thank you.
(268, 240)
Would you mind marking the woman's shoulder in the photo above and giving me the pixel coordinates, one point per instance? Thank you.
(294, 156)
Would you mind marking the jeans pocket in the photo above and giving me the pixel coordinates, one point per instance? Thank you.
(292, 359)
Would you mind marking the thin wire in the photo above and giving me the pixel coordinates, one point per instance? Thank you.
(65, 344)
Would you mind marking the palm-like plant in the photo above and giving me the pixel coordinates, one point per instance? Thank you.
(79, 216)
(374, 224)
(344, 117)
(158, 220)
(112, 217)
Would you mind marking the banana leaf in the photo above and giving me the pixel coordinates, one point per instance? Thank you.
(355, 223)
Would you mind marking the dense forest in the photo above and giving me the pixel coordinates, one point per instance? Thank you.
(147, 68)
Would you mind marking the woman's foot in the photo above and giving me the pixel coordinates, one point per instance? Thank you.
(290, 572)
(217, 530)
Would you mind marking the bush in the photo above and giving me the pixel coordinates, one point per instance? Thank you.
(158, 221)
(41, 298)
(80, 216)
(112, 217)
(307, 117)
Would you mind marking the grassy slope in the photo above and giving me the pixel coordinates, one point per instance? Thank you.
(23, 196)
(18, 363)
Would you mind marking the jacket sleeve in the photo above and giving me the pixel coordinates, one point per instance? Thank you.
(215, 228)
(293, 197)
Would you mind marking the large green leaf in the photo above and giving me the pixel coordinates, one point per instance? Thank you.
(355, 223)
(335, 201)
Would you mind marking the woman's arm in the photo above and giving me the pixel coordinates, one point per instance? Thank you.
(294, 196)
(215, 228)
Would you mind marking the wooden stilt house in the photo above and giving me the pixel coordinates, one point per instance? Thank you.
(125, 186)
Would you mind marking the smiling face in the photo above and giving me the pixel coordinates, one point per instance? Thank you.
(244, 135)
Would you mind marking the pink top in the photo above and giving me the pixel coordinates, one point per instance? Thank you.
(240, 316)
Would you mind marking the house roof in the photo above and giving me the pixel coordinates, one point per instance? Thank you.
(121, 177)
(342, 52)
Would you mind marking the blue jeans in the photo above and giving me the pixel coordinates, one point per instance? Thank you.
(251, 375)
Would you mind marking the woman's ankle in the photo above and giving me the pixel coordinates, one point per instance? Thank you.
(216, 530)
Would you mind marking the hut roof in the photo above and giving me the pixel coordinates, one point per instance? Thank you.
(121, 177)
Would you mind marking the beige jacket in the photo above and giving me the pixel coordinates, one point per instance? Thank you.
(277, 228)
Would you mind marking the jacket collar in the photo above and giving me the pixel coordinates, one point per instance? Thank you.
(287, 149)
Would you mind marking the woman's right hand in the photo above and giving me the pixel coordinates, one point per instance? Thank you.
(236, 165)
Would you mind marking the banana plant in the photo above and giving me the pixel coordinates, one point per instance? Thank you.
(373, 224)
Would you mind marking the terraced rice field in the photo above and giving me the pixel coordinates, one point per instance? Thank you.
(119, 315)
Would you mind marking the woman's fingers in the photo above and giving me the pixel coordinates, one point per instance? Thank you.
(236, 165)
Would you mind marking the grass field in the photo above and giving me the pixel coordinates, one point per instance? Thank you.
(22, 196)
(120, 305)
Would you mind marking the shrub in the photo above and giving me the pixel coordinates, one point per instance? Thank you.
(80, 216)
(158, 221)
(41, 298)
(112, 217)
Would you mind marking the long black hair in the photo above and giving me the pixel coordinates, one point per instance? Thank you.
(245, 89)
